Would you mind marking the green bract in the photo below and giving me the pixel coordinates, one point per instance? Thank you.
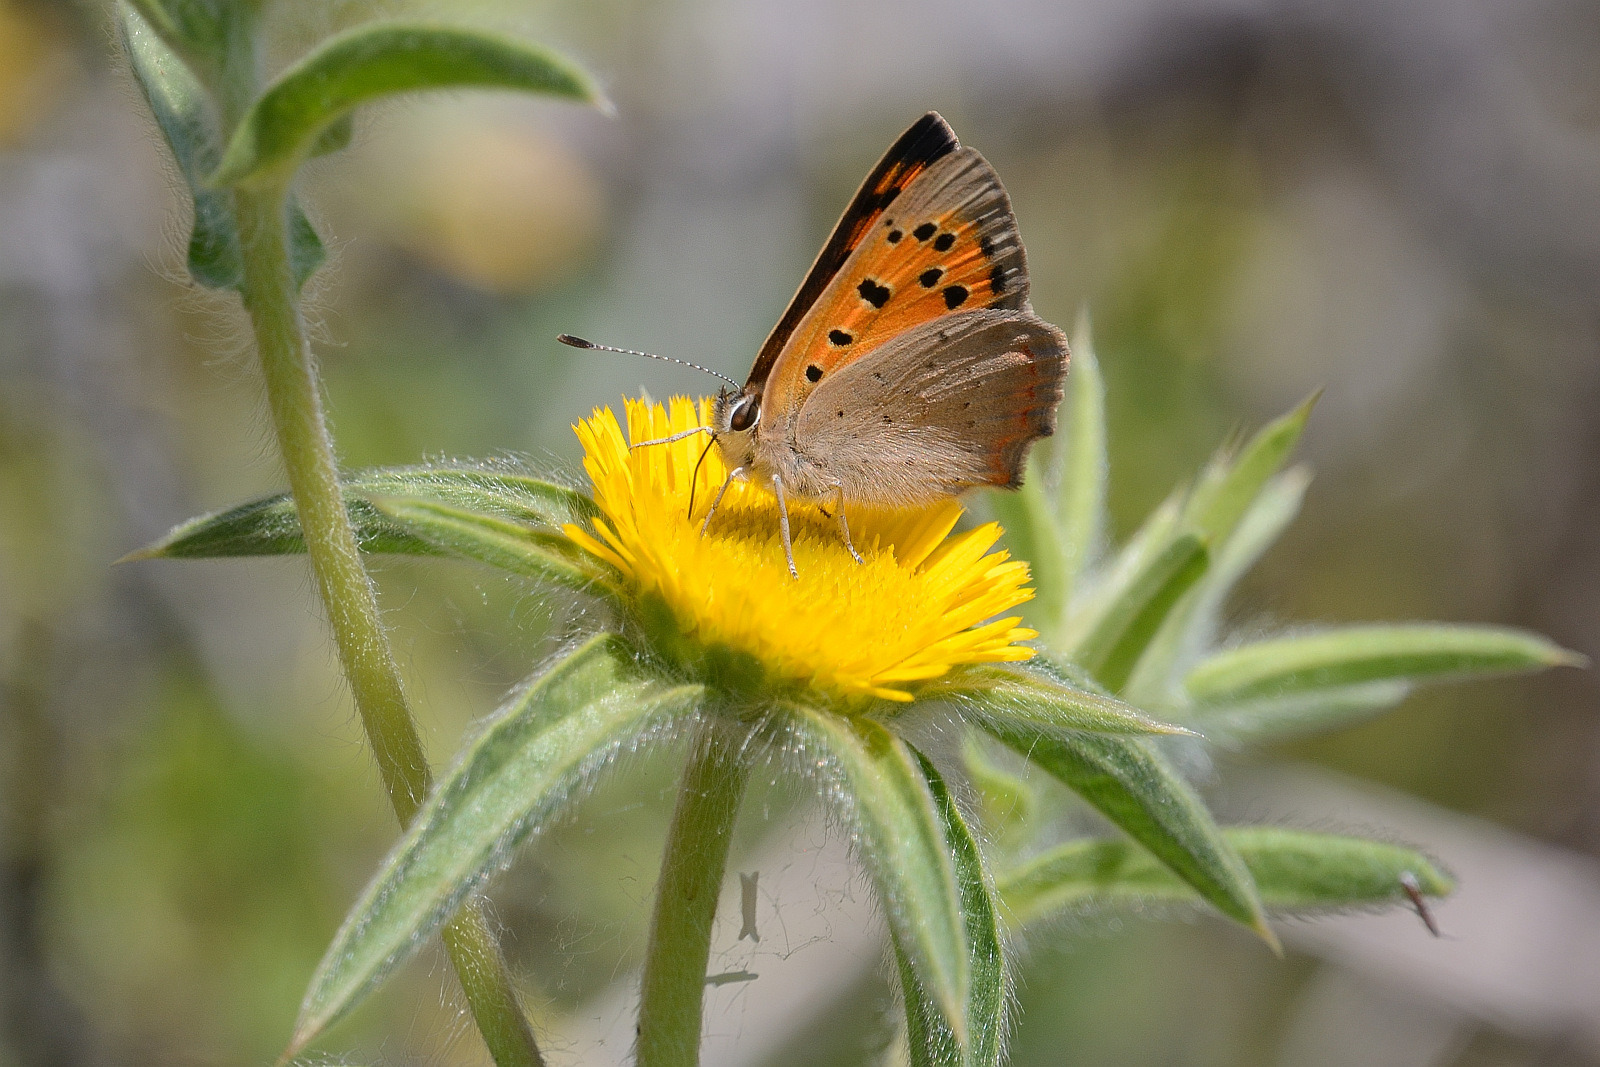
(1141, 623)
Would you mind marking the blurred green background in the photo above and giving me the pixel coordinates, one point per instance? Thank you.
(1397, 202)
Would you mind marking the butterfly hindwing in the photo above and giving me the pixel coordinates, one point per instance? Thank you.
(941, 408)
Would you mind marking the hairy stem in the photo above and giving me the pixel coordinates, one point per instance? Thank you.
(272, 300)
(686, 902)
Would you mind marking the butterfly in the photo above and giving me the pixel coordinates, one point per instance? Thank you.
(909, 365)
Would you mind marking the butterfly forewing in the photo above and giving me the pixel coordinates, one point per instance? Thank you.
(947, 245)
(928, 140)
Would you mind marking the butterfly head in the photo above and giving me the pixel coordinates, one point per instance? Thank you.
(735, 417)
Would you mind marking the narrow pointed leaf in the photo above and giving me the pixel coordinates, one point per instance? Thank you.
(198, 30)
(1026, 699)
(1033, 533)
(1352, 655)
(932, 1043)
(1231, 488)
(284, 124)
(1083, 461)
(1193, 624)
(306, 252)
(511, 546)
(336, 138)
(178, 102)
(879, 784)
(1107, 585)
(1296, 871)
(270, 527)
(1112, 649)
(179, 21)
(180, 106)
(1131, 784)
(1308, 712)
(1274, 508)
(1230, 484)
(548, 739)
(1008, 804)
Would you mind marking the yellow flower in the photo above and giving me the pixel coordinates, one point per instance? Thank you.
(916, 608)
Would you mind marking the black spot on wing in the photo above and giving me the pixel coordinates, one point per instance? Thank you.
(837, 337)
(873, 293)
(944, 241)
(813, 373)
(925, 231)
(955, 296)
(997, 279)
(930, 277)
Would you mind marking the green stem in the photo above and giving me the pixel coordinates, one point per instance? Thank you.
(686, 902)
(272, 300)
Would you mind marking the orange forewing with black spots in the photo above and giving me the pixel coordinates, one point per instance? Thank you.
(948, 244)
(927, 141)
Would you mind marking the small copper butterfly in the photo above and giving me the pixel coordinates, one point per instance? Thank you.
(909, 366)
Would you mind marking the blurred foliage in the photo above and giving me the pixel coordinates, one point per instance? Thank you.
(193, 895)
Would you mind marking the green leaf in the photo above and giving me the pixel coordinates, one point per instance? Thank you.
(1033, 534)
(1008, 804)
(202, 31)
(1295, 871)
(306, 252)
(1230, 484)
(521, 771)
(181, 109)
(933, 1043)
(1111, 650)
(1193, 624)
(1018, 697)
(1352, 655)
(183, 113)
(336, 138)
(1274, 508)
(876, 778)
(500, 543)
(283, 125)
(1131, 784)
(1110, 582)
(270, 527)
(1312, 711)
(1230, 489)
(1083, 460)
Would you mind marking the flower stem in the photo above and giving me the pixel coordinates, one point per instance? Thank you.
(686, 902)
(272, 300)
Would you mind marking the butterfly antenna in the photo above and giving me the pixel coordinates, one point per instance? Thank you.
(578, 342)
(694, 479)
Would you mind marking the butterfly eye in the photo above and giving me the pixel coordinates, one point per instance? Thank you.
(745, 414)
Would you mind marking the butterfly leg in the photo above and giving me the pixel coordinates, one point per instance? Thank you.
(737, 472)
(783, 525)
(844, 527)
